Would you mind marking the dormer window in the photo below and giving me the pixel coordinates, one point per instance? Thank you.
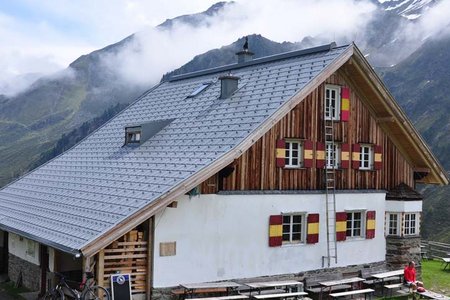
(133, 135)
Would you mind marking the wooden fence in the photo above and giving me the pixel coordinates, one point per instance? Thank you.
(432, 249)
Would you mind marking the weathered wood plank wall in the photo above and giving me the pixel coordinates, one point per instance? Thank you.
(256, 168)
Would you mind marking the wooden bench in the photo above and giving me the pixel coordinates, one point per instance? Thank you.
(352, 293)
(280, 295)
(433, 295)
(234, 297)
(391, 287)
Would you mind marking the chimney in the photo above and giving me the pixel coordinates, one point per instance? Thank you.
(228, 85)
(244, 55)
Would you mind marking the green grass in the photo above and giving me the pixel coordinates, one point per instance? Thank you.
(8, 288)
(435, 278)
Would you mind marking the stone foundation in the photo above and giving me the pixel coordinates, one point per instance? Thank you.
(165, 293)
(31, 273)
(401, 250)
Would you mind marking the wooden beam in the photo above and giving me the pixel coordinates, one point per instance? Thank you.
(101, 267)
(150, 253)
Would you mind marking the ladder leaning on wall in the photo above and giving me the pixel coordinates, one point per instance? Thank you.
(330, 183)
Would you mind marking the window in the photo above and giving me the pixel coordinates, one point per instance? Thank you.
(354, 224)
(333, 155)
(133, 135)
(293, 154)
(393, 226)
(332, 102)
(366, 157)
(411, 224)
(30, 248)
(199, 89)
(293, 232)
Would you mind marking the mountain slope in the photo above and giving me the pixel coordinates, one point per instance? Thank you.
(421, 84)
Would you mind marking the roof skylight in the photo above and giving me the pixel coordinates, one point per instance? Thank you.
(199, 89)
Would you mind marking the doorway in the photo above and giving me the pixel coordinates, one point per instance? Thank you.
(4, 252)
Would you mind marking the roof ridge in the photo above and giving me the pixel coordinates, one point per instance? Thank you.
(265, 59)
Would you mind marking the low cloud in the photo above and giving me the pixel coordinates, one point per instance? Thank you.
(154, 52)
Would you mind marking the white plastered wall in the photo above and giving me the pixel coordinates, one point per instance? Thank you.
(23, 248)
(403, 206)
(220, 237)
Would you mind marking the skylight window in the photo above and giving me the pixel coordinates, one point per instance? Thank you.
(199, 89)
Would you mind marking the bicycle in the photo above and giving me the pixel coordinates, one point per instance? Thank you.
(89, 291)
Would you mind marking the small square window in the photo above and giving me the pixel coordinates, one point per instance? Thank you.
(366, 157)
(355, 224)
(332, 102)
(293, 228)
(293, 154)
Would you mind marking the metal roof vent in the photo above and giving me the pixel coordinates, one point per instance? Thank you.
(228, 85)
(244, 55)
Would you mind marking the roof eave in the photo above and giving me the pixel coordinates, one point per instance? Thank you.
(437, 172)
(40, 240)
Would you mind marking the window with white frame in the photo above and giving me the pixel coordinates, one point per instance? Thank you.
(411, 224)
(293, 228)
(355, 224)
(393, 227)
(333, 155)
(293, 155)
(366, 157)
(332, 102)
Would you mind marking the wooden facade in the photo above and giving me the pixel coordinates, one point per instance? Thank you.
(256, 168)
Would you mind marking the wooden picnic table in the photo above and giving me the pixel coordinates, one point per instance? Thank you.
(287, 284)
(344, 281)
(381, 277)
(190, 288)
(341, 281)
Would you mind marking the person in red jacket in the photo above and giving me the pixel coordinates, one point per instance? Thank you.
(410, 276)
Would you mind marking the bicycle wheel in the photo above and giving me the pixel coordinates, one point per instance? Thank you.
(96, 293)
(54, 295)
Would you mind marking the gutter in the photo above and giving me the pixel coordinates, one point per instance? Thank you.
(72, 251)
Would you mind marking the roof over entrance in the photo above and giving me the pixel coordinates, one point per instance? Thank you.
(101, 188)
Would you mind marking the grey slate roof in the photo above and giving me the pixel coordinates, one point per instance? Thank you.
(86, 191)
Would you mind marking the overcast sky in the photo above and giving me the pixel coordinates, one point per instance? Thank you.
(45, 36)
